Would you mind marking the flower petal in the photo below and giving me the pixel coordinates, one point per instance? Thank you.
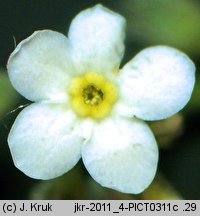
(157, 83)
(40, 66)
(122, 154)
(45, 141)
(97, 36)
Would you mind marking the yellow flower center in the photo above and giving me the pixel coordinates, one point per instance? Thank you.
(92, 95)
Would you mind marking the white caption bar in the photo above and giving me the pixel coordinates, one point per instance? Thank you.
(99, 207)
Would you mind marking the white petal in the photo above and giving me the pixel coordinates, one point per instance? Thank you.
(45, 141)
(122, 154)
(97, 36)
(157, 83)
(40, 66)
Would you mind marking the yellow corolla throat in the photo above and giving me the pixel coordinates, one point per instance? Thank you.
(92, 95)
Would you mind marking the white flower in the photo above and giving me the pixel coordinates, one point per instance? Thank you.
(86, 106)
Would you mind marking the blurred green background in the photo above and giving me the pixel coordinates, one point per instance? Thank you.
(149, 22)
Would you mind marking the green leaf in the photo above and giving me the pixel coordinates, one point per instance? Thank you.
(8, 96)
(173, 23)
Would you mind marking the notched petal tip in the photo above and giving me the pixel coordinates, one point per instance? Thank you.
(45, 141)
(40, 66)
(122, 154)
(24, 43)
(157, 82)
(100, 7)
(96, 46)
